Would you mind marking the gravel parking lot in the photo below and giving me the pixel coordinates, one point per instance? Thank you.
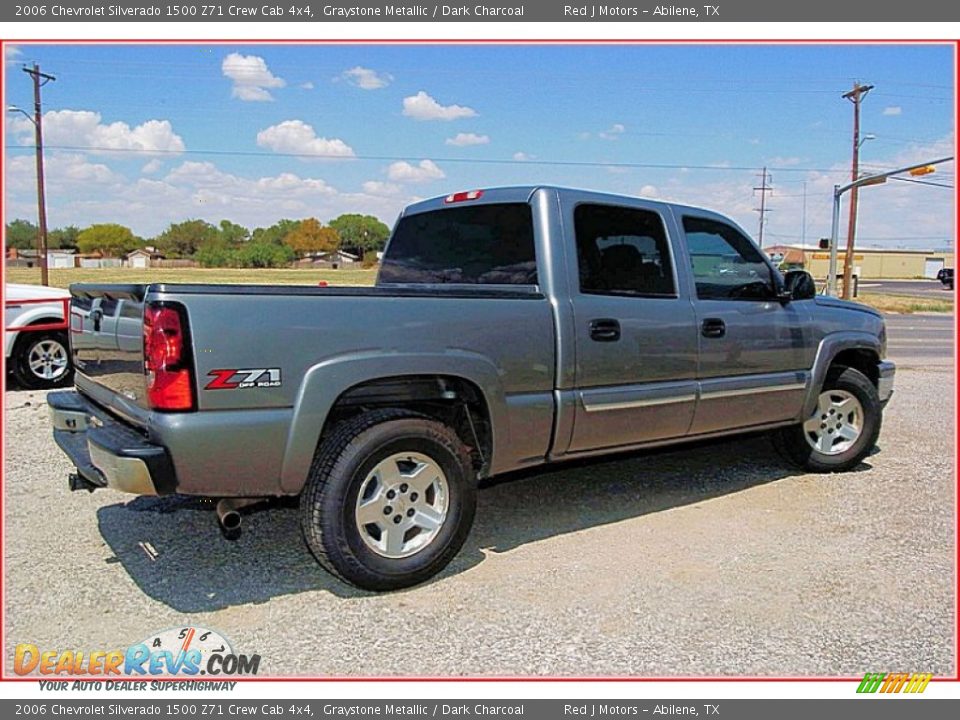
(716, 559)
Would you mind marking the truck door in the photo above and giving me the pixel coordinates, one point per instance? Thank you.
(754, 355)
(635, 334)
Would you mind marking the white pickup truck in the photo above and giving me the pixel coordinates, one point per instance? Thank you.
(36, 346)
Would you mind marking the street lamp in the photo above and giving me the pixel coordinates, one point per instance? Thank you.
(41, 196)
(924, 168)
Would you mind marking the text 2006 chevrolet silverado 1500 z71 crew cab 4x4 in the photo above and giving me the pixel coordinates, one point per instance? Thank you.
(508, 328)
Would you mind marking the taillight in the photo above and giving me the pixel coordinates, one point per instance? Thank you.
(463, 196)
(166, 359)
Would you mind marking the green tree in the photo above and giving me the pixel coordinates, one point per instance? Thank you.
(311, 237)
(185, 238)
(109, 238)
(275, 233)
(21, 234)
(262, 255)
(64, 238)
(232, 233)
(360, 233)
(215, 254)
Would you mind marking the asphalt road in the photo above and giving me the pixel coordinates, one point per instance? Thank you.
(710, 560)
(920, 337)
(927, 289)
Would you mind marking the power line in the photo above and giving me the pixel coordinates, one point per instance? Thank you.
(418, 156)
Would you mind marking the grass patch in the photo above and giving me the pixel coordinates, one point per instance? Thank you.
(231, 276)
(903, 304)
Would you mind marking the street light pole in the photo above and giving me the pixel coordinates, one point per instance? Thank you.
(839, 190)
(35, 73)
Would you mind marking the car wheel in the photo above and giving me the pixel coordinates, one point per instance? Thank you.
(41, 360)
(390, 499)
(842, 429)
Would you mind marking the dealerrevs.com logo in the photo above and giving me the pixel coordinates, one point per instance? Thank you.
(911, 683)
(185, 651)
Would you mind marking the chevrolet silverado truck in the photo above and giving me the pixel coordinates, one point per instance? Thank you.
(508, 328)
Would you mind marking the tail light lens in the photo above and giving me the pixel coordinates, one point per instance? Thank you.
(166, 358)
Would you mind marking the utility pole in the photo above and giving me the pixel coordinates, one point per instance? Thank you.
(803, 217)
(37, 76)
(856, 97)
(763, 189)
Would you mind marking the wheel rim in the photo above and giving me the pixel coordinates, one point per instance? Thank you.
(402, 505)
(836, 424)
(48, 360)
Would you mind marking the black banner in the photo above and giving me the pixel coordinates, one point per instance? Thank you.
(217, 706)
(498, 11)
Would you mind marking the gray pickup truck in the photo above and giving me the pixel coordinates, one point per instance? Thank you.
(508, 328)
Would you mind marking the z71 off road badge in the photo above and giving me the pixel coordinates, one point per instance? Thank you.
(237, 379)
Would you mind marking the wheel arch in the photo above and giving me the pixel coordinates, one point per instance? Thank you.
(439, 386)
(35, 316)
(858, 350)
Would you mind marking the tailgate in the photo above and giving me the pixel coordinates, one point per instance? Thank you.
(106, 338)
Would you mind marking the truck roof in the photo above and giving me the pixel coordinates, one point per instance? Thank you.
(523, 193)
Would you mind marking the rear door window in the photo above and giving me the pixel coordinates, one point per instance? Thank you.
(622, 251)
(477, 245)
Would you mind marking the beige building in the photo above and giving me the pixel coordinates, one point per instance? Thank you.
(868, 263)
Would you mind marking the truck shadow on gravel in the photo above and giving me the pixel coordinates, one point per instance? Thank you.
(173, 550)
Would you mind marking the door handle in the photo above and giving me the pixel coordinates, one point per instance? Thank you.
(605, 330)
(713, 328)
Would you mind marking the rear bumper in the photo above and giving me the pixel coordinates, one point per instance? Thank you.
(885, 381)
(107, 452)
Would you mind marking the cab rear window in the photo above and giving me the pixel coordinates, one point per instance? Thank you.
(476, 245)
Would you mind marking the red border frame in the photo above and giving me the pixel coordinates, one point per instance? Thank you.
(491, 41)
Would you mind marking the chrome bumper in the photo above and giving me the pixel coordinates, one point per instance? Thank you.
(885, 382)
(105, 451)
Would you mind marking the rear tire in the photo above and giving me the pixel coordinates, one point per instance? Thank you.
(41, 360)
(843, 428)
(390, 499)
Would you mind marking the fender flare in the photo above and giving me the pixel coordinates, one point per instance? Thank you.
(326, 381)
(30, 316)
(828, 349)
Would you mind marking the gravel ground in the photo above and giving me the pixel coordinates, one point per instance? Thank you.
(709, 560)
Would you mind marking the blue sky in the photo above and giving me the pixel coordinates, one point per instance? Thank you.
(151, 134)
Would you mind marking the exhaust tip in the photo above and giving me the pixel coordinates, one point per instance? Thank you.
(230, 521)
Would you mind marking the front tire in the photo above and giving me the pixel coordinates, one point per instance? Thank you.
(390, 499)
(41, 360)
(842, 429)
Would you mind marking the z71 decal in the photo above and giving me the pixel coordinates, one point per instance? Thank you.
(236, 379)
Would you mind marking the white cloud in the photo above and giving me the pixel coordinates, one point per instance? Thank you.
(307, 85)
(83, 128)
(614, 132)
(780, 161)
(151, 167)
(464, 139)
(378, 187)
(11, 51)
(405, 172)
(423, 107)
(297, 137)
(82, 193)
(251, 77)
(892, 110)
(650, 191)
(367, 79)
(522, 156)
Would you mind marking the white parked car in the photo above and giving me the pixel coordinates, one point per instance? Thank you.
(38, 358)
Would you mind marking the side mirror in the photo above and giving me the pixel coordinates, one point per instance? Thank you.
(798, 285)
